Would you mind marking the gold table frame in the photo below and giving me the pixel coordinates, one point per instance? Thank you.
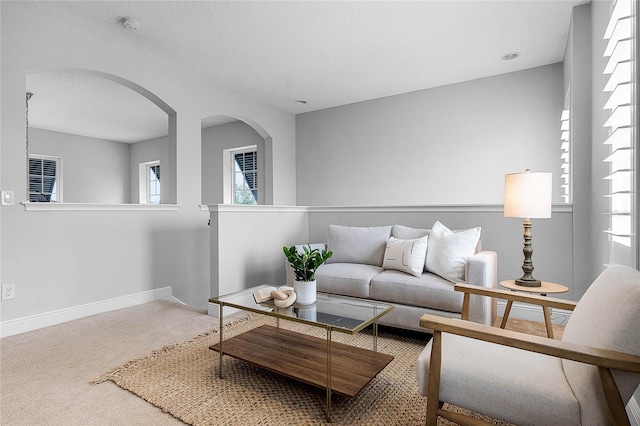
(243, 300)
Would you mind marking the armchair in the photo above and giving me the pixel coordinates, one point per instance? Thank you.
(586, 378)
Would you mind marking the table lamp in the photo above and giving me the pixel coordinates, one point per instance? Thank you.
(527, 195)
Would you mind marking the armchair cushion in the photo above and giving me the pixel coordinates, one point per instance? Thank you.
(530, 385)
(601, 319)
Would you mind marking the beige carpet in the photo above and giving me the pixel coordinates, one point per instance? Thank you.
(45, 374)
(182, 380)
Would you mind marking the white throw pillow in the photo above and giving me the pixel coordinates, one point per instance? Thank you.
(406, 255)
(448, 251)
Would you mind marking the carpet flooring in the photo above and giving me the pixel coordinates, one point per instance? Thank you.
(45, 374)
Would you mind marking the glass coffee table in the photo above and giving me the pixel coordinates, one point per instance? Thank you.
(339, 368)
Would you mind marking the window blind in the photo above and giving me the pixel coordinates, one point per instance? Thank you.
(565, 130)
(621, 70)
(43, 179)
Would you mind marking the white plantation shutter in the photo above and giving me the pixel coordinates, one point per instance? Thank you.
(565, 156)
(621, 69)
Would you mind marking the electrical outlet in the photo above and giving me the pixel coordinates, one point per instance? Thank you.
(7, 198)
(8, 291)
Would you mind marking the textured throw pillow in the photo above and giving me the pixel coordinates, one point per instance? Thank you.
(358, 244)
(448, 251)
(406, 255)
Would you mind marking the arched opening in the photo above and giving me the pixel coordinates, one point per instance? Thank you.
(100, 128)
(236, 157)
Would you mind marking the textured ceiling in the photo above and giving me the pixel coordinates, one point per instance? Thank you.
(327, 53)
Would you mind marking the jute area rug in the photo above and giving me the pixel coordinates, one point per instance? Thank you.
(182, 379)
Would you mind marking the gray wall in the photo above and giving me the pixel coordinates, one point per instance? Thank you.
(552, 244)
(214, 141)
(93, 170)
(447, 145)
(85, 257)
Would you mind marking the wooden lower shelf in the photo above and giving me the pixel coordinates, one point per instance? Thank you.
(304, 358)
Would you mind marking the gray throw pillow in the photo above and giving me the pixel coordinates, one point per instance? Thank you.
(357, 244)
(407, 233)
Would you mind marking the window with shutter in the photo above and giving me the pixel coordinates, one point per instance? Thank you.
(45, 185)
(149, 182)
(622, 105)
(245, 180)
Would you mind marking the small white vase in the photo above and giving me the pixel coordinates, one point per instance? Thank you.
(305, 292)
(307, 312)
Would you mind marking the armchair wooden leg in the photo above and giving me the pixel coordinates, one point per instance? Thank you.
(433, 392)
(613, 398)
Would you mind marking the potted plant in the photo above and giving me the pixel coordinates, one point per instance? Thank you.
(304, 263)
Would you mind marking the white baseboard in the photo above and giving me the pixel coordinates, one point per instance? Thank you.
(633, 411)
(533, 312)
(34, 322)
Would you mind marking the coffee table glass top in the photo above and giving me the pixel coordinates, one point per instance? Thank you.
(341, 313)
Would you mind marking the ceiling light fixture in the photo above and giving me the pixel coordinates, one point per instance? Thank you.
(301, 102)
(510, 56)
(130, 23)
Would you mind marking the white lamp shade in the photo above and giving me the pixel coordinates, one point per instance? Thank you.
(527, 195)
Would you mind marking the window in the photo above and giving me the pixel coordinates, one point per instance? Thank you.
(622, 105)
(149, 182)
(245, 176)
(45, 183)
(565, 157)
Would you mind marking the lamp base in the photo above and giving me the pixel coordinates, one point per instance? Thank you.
(528, 282)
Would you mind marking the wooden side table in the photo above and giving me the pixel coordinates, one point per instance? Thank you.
(543, 290)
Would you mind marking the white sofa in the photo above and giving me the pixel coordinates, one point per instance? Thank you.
(383, 263)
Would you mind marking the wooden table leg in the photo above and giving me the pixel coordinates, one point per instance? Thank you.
(547, 321)
(507, 311)
(220, 333)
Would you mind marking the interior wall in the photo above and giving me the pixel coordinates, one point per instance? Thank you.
(93, 170)
(247, 241)
(214, 141)
(144, 152)
(446, 145)
(84, 257)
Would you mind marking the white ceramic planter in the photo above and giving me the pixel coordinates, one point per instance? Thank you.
(307, 312)
(305, 292)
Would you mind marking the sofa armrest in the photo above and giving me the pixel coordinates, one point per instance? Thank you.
(289, 270)
(482, 270)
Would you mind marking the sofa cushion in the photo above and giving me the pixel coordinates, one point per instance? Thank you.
(347, 279)
(406, 255)
(428, 290)
(448, 251)
(408, 233)
(358, 244)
